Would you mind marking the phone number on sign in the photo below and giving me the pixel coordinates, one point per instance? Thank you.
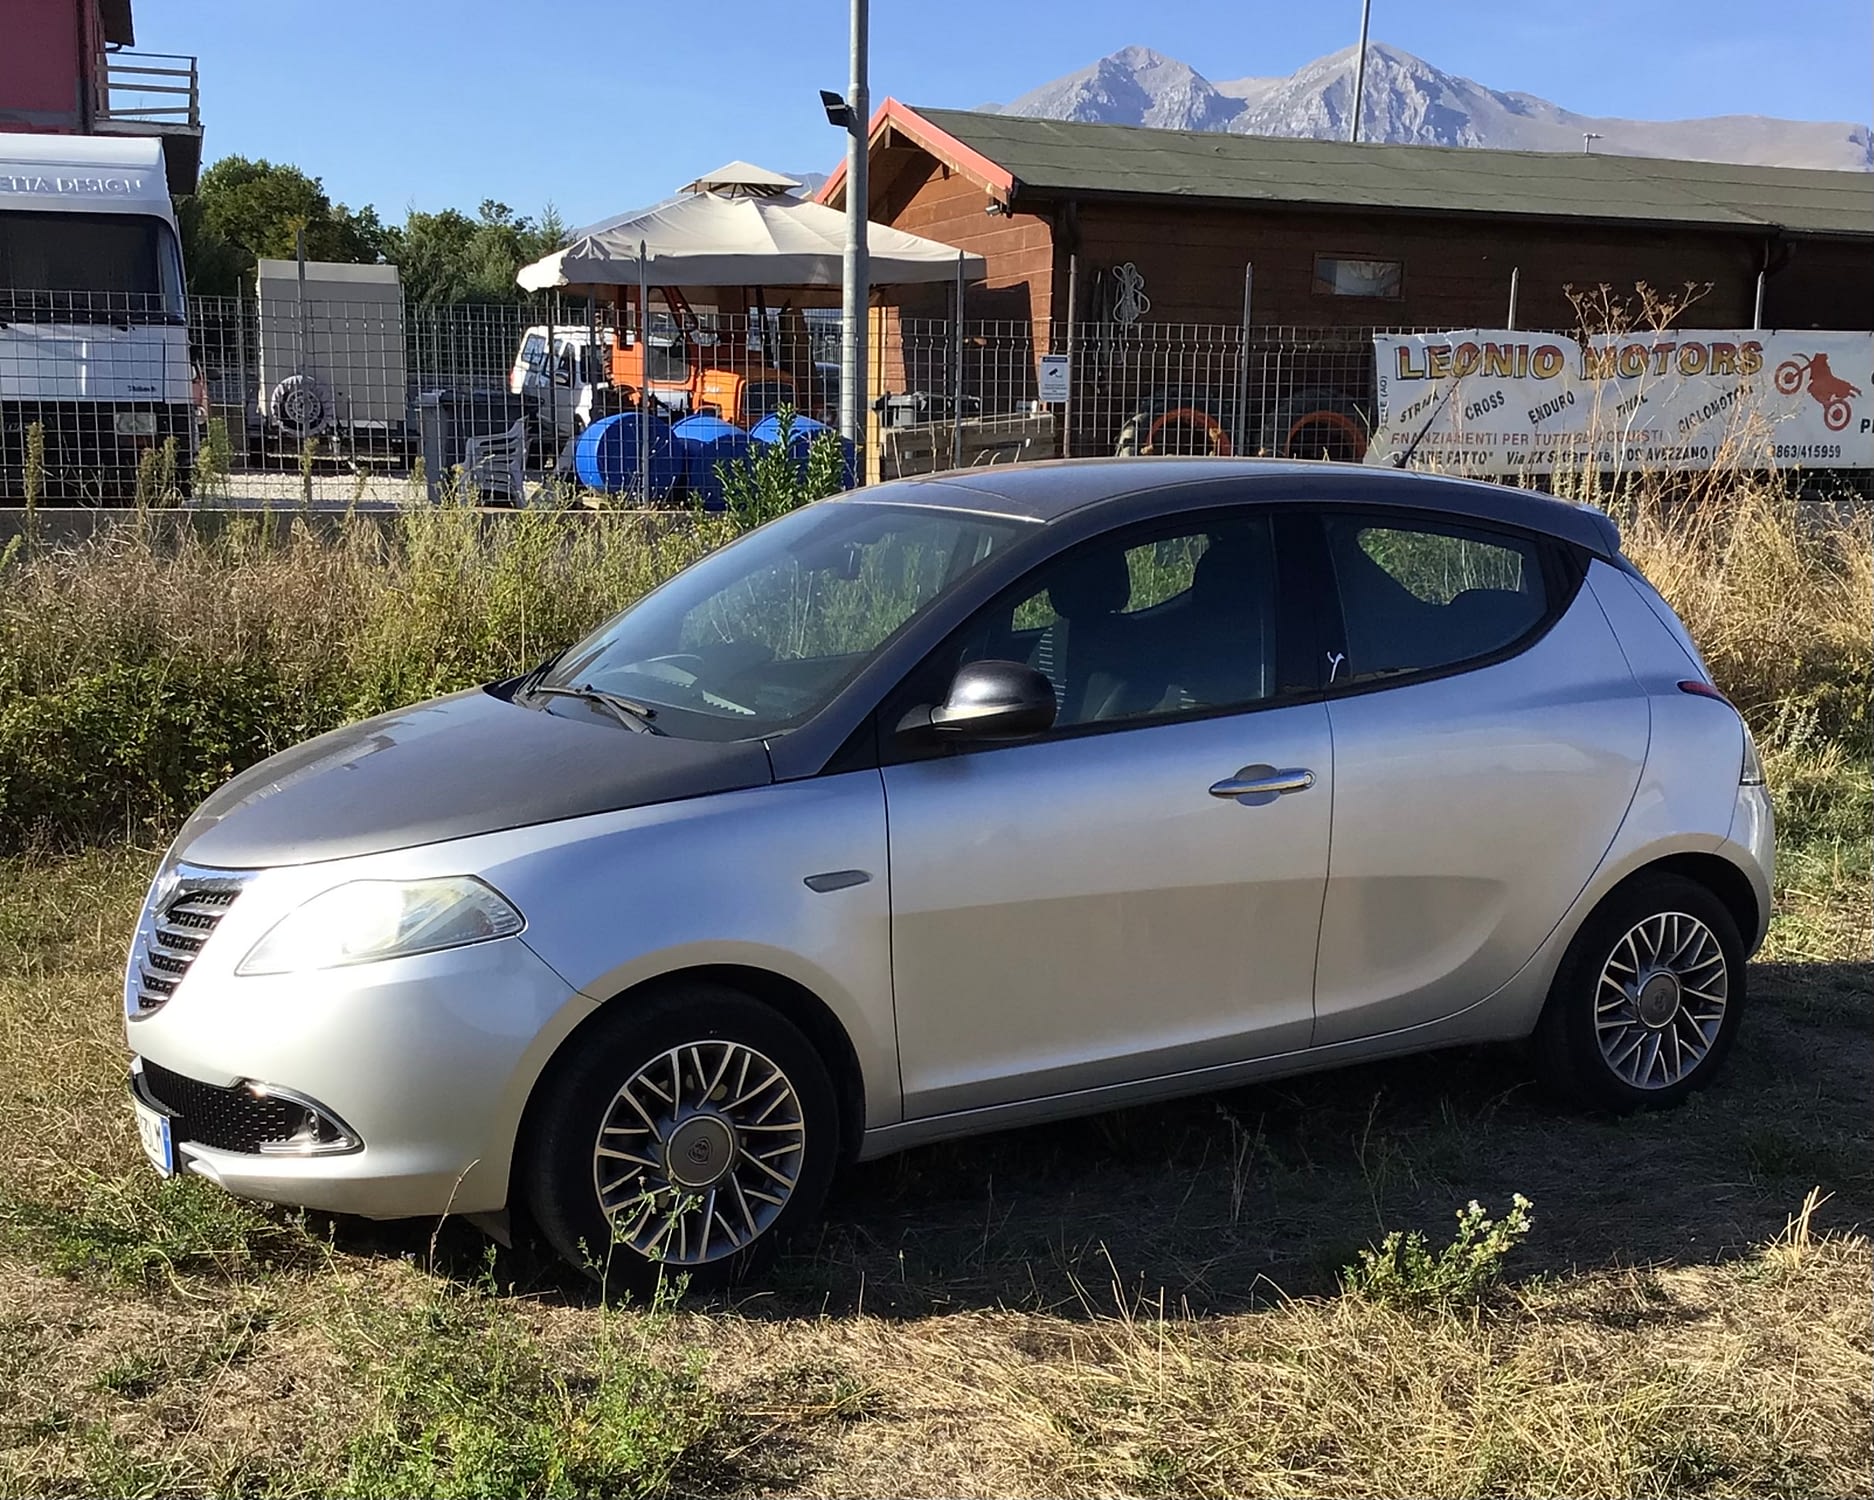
(1808, 451)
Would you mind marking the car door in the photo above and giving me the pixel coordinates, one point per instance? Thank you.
(1488, 738)
(1095, 905)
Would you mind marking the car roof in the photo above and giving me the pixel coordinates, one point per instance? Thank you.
(1047, 491)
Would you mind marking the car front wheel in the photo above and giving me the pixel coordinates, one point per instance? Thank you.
(686, 1138)
(1647, 1000)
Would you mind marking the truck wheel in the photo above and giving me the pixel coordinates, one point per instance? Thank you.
(686, 1137)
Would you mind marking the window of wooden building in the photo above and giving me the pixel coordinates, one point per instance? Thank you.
(1347, 276)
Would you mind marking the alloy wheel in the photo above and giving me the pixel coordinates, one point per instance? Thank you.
(699, 1152)
(1660, 1001)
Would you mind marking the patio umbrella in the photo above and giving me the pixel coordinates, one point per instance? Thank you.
(739, 226)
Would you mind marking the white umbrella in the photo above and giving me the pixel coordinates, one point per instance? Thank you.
(740, 226)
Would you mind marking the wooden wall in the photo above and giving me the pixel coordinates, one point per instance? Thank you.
(1457, 272)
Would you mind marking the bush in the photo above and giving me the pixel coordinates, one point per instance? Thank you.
(770, 481)
(1403, 1273)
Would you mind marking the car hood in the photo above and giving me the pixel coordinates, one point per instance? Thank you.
(471, 763)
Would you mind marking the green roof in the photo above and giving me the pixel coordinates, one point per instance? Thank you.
(1061, 157)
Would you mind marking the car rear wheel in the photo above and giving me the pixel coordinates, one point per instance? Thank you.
(685, 1138)
(1647, 1000)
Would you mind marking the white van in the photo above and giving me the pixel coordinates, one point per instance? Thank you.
(94, 339)
(562, 390)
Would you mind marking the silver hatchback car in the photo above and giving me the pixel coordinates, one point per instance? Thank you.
(950, 805)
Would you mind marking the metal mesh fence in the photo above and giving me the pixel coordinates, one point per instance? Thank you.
(367, 400)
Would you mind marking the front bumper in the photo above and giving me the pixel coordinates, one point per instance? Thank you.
(427, 1061)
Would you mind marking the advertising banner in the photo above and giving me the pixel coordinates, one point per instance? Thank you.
(1492, 401)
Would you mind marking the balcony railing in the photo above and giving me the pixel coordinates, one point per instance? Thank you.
(148, 93)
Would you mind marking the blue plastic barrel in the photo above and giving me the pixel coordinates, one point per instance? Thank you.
(800, 438)
(702, 443)
(606, 456)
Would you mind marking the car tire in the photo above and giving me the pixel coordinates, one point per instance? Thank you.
(686, 1172)
(1647, 1001)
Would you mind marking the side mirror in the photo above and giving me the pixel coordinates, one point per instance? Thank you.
(996, 700)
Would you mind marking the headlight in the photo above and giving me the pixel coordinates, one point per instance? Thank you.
(372, 919)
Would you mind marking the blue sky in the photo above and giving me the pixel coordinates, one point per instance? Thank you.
(602, 105)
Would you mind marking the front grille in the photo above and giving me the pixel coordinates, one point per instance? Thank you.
(182, 913)
(224, 1119)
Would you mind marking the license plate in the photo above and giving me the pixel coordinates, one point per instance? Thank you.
(158, 1144)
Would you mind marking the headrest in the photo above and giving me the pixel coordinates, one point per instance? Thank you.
(1229, 570)
(1096, 583)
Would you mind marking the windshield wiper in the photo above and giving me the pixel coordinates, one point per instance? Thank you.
(532, 680)
(634, 716)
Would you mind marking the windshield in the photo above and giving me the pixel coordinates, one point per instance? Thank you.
(100, 268)
(761, 635)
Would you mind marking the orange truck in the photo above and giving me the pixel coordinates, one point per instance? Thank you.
(693, 377)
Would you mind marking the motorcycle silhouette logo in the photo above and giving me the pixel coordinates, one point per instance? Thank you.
(1824, 385)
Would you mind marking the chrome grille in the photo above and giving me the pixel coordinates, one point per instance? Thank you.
(183, 910)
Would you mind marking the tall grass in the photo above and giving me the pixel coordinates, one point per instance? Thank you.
(141, 668)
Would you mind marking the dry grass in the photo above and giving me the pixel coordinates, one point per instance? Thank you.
(1778, 593)
(1144, 1303)
(1141, 1303)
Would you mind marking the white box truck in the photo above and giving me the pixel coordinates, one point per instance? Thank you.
(94, 338)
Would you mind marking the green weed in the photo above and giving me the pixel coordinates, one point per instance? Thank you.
(1403, 1272)
(467, 1401)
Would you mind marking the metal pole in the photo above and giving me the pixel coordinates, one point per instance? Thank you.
(1359, 68)
(1756, 318)
(299, 254)
(644, 379)
(240, 357)
(956, 373)
(1073, 375)
(1241, 435)
(1516, 276)
(854, 371)
(552, 444)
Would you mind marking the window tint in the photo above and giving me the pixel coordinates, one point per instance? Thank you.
(1419, 597)
(1181, 622)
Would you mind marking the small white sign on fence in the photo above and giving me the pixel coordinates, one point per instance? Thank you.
(1056, 379)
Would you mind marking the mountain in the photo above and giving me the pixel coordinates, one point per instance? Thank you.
(1407, 100)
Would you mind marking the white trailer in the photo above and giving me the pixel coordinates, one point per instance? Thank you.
(94, 338)
(331, 350)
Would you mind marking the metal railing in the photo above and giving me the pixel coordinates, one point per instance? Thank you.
(148, 91)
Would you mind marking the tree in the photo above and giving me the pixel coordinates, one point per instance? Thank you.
(247, 209)
(450, 257)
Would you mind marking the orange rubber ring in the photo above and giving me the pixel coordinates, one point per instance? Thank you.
(1213, 429)
(1348, 427)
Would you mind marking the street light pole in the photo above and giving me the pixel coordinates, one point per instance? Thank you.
(1359, 68)
(855, 273)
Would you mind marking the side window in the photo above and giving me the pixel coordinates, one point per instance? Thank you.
(533, 352)
(1126, 628)
(1416, 597)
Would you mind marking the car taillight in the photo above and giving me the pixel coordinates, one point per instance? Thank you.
(1751, 773)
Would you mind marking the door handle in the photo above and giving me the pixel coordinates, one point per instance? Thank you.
(1264, 783)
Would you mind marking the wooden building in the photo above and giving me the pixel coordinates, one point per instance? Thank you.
(1358, 236)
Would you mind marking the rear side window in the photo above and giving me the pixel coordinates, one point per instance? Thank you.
(1423, 596)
